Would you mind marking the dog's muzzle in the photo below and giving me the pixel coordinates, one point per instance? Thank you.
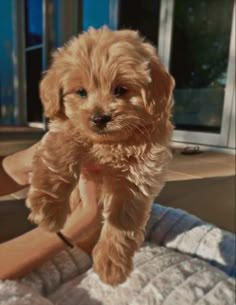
(100, 120)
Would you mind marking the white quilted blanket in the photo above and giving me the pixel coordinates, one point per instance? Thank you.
(184, 261)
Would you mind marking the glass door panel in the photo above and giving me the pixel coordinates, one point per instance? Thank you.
(33, 52)
(199, 62)
(141, 15)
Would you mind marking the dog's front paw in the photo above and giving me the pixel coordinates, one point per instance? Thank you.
(46, 211)
(112, 268)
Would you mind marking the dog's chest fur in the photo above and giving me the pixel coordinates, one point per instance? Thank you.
(117, 156)
(143, 165)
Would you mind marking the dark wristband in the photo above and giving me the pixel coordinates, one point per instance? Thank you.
(65, 240)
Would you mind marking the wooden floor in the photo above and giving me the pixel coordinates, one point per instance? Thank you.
(202, 184)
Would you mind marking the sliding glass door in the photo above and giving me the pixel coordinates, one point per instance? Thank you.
(202, 60)
(196, 41)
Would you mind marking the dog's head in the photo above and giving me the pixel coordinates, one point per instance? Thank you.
(111, 85)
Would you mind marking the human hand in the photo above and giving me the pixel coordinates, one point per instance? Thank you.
(84, 223)
(19, 165)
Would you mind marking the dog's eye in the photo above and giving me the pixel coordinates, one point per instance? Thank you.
(82, 93)
(119, 91)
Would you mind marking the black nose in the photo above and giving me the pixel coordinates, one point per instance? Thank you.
(100, 120)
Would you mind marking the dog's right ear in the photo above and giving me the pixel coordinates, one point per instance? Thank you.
(50, 93)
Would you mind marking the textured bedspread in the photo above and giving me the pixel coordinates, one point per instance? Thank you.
(183, 261)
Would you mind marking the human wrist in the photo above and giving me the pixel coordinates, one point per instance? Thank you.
(65, 240)
(85, 224)
(70, 234)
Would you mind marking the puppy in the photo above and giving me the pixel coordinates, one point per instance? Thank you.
(109, 99)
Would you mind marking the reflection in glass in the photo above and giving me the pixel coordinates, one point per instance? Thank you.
(200, 49)
(34, 17)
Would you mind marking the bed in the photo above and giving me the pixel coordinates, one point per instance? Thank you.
(183, 261)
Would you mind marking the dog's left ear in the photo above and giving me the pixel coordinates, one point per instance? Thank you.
(161, 87)
(159, 95)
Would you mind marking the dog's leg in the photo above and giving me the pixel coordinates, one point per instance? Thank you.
(125, 215)
(55, 172)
